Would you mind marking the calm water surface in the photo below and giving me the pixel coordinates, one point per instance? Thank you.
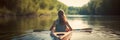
(15, 28)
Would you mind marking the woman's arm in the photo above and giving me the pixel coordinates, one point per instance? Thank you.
(69, 26)
(52, 27)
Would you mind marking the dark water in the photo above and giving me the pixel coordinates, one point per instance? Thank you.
(14, 26)
(107, 21)
(111, 22)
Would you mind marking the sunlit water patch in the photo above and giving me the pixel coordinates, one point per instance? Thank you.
(77, 22)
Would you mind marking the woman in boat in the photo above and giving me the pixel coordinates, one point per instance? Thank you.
(61, 24)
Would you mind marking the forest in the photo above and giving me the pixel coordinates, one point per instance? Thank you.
(30, 7)
(97, 7)
(50, 7)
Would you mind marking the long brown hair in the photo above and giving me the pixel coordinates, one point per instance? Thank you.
(61, 17)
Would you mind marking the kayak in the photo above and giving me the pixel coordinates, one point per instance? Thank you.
(62, 35)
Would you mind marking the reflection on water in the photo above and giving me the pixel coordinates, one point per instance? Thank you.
(78, 23)
(12, 26)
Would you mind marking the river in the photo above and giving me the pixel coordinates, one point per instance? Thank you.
(37, 28)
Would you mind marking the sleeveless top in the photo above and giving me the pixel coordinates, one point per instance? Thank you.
(60, 27)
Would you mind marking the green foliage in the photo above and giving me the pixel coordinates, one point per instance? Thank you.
(73, 10)
(94, 7)
(28, 7)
